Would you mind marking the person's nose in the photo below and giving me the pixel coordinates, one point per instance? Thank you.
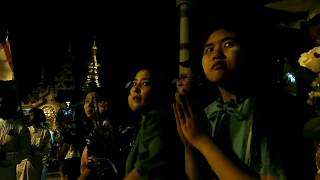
(91, 104)
(217, 53)
(180, 82)
(136, 88)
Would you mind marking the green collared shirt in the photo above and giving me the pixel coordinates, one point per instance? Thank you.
(232, 127)
(147, 154)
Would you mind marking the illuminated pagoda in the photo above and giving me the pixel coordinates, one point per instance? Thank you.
(93, 69)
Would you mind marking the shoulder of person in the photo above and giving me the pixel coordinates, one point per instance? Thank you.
(157, 113)
(19, 125)
(157, 117)
(46, 131)
(210, 106)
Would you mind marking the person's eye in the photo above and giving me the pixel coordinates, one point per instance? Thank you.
(208, 50)
(183, 77)
(146, 83)
(134, 83)
(229, 44)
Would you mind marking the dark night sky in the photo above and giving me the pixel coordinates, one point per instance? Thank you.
(127, 33)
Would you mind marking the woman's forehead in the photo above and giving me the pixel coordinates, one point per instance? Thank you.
(143, 74)
(91, 95)
(221, 34)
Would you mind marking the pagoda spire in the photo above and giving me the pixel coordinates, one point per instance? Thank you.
(93, 68)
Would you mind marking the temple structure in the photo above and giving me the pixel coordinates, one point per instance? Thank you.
(93, 69)
(45, 95)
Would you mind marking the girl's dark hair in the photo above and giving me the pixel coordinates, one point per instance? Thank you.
(39, 114)
(102, 94)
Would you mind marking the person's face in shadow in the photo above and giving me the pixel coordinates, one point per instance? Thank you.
(103, 106)
(185, 82)
(314, 31)
(221, 56)
(141, 91)
(93, 105)
(90, 105)
(32, 118)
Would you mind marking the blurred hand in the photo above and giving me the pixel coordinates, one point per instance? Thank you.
(187, 125)
(181, 135)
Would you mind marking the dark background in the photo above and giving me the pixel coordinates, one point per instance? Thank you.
(127, 33)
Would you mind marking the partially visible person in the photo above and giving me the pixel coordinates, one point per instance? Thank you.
(14, 137)
(37, 163)
(190, 84)
(151, 156)
(312, 25)
(186, 79)
(69, 151)
(75, 130)
(99, 156)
